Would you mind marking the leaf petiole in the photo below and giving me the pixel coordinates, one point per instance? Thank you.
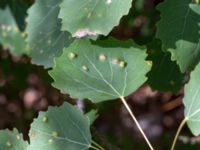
(95, 148)
(137, 123)
(178, 132)
(97, 145)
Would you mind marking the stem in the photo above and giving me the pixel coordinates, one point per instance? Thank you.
(178, 132)
(95, 148)
(137, 123)
(97, 145)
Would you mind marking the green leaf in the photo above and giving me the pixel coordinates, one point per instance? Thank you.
(60, 128)
(192, 101)
(92, 115)
(44, 35)
(18, 9)
(165, 75)
(12, 140)
(179, 31)
(92, 17)
(100, 73)
(10, 35)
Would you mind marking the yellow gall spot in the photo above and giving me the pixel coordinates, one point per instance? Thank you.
(122, 64)
(49, 41)
(45, 119)
(50, 141)
(8, 144)
(32, 134)
(55, 134)
(23, 34)
(18, 137)
(102, 57)
(17, 29)
(85, 68)
(149, 63)
(72, 55)
(9, 28)
(89, 14)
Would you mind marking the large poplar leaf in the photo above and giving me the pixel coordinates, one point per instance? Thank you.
(192, 101)
(165, 74)
(100, 73)
(10, 35)
(179, 31)
(12, 140)
(60, 128)
(44, 35)
(92, 17)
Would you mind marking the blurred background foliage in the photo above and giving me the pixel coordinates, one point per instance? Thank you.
(26, 89)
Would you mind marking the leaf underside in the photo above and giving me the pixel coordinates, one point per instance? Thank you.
(44, 35)
(95, 73)
(60, 128)
(92, 17)
(12, 140)
(10, 36)
(179, 31)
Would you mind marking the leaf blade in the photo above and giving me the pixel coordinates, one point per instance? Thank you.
(96, 16)
(191, 101)
(10, 35)
(44, 35)
(12, 140)
(89, 77)
(54, 131)
(176, 34)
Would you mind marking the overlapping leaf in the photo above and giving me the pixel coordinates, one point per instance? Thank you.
(10, 35)
(92, 115)
(60, 128)
(179, 31)
(192, 101)
(93, 17)
(44, 35)
(12, 140)
(100, 73)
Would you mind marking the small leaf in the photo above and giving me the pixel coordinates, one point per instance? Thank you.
(10, 35)
(91, 18)
(60, 128)
(88, 77)
(12, 140)
(179, 30)
(44, 35)
(192, 101)
(92, 115)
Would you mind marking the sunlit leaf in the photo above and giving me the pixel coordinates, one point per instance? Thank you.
(89, 70)
(192, 101)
